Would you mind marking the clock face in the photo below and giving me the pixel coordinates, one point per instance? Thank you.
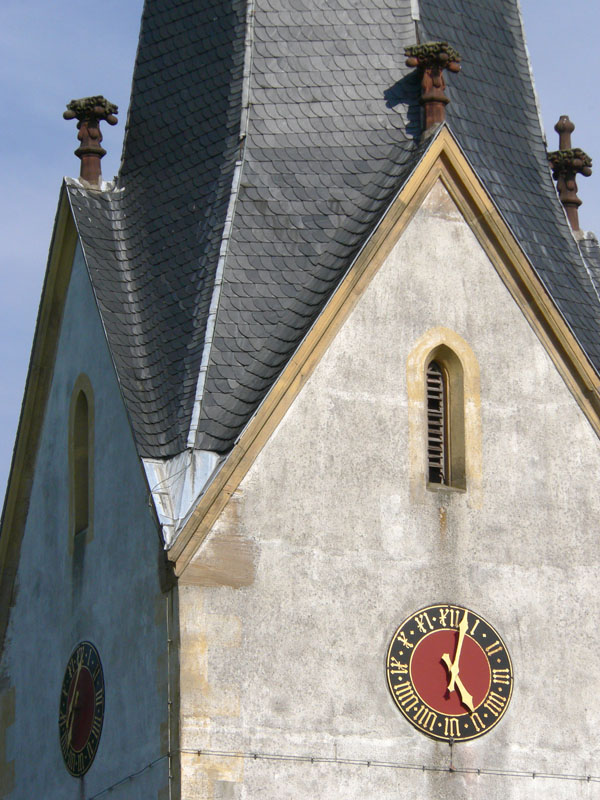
(449, 673)
(81, 709)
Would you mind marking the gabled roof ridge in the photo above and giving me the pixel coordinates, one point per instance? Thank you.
(517, 238)
(442, 160)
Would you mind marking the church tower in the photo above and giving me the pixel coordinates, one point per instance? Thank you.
(302, 502)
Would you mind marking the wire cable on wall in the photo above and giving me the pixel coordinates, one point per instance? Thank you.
(361, 762)
(128, 777)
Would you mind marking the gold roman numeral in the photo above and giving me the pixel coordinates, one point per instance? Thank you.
(396, 668)
(425, 717)
(406, 696)
(403, 640)
(477, 723)
(494, 647)
(451, 727)
(96, 726)
(495, 703)
(421, 619)
(501, 676)
(453, 616)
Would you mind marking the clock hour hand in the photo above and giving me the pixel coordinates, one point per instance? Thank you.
(465, 698)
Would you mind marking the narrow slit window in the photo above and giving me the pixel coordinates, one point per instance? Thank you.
(81, 456)
(437, 424)
(81, 463)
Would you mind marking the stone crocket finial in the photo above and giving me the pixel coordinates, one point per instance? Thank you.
(566, 163)
(431, 59)
(89, 112)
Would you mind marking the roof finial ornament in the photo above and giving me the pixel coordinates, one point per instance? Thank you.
(89, 112)
(431, 59)
(566, 163)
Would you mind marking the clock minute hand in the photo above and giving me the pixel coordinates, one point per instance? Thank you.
(453, 667)
(74, 699)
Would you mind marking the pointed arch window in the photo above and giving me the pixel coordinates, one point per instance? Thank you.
(81, 448)
(445, 419)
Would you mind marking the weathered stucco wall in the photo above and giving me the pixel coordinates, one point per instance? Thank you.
(109, 595)
(338, 547)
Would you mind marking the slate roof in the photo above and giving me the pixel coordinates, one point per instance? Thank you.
(154, 281)
(331, 135)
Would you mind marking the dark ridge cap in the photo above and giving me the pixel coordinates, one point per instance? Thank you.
(590, 250)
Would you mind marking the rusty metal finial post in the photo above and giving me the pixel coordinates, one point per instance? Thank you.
(89, 112)
(567, 162)
(431, 59)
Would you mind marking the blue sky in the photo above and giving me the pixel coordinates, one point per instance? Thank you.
(55, 51)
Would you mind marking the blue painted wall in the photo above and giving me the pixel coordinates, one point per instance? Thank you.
(112, 597)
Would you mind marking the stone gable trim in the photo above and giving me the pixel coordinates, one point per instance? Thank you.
(7, 718)
(39, 379)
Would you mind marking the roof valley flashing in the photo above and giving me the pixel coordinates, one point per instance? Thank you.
(332, 135)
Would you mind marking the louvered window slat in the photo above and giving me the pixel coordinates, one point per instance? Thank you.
(437, 449)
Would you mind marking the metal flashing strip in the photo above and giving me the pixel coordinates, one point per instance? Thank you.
(214, 305)
(235, 186)
(578, 240)
(176, 484)
(529, 67)
(249, 49)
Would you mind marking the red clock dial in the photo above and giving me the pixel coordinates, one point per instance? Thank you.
(449, 672)
(81, 710)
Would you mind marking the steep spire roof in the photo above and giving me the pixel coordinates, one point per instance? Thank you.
(264, 142)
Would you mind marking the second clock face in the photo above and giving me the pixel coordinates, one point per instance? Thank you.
(449, 672)
(81, 710)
